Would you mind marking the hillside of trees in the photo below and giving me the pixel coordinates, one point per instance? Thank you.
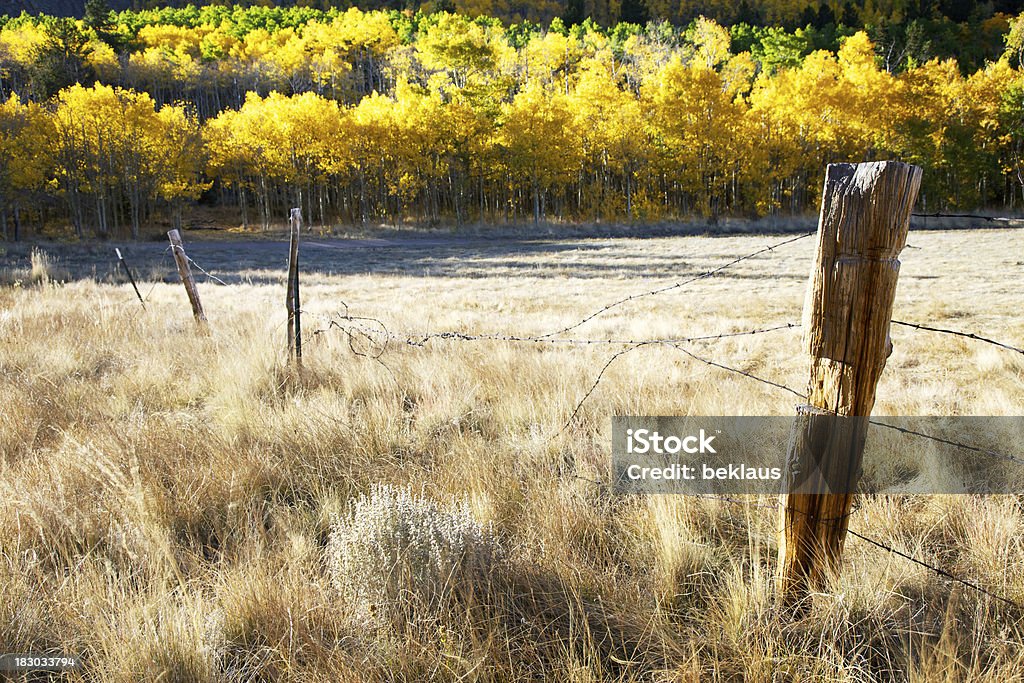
(787, 13)
(119, 119)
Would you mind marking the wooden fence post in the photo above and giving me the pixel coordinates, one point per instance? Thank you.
(292, 298)
(185, 273)
(865, 215)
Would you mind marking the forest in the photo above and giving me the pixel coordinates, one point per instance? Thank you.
(120, 120)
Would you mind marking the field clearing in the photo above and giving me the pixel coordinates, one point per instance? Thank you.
(168, 496)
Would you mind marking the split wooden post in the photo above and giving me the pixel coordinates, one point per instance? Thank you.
(292, 297)
(185, 273)
(865, 215)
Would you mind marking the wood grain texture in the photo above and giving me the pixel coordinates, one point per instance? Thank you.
(292, 299)
(185, 273)
(865, 215)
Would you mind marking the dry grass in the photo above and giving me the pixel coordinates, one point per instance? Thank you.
(42, 269)
(169, 499)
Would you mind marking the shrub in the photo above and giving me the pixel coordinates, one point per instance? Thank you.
(404, 560)
(42, 266)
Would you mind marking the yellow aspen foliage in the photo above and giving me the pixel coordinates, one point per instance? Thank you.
(871, 93)
(174, 39)
(700, 130)
(540, 142)
(613, 144)
(552, 59)
(387, 115)
(462, 48)
(116, 155)
(178, 152)
(365, 30)
(935, 110)
(821, 112)
(711, 42)
(103, 60)
(25, 137)
(19, 46)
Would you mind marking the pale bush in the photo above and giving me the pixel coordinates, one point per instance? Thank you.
(42, 266)
(403, 559)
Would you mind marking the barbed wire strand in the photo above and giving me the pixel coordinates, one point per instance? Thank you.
(675, 345)
(876, 422)
(677, 285)
(421, 339)
(375, 350)
(887, 548)
(203, 271)
(737, 371)
(948, 442)
(938, 570)
(874, 542)
(782, 387)
(958, 333)
(966, 215)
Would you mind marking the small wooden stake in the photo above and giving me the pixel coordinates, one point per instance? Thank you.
(292, 298)
(185, 273)
(128, 272)
(865, 214)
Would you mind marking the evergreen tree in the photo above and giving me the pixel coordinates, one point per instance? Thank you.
(574, 12)
(634, 12)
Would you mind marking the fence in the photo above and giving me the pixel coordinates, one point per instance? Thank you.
(370, 337)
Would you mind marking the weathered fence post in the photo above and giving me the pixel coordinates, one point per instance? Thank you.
(865, 214)
(292, 297)
(185, 273)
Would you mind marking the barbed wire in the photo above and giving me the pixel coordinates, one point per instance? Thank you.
(968, 335)
(875, 421)
(372, 329)
(375, 349)
(737, 371)
(948, 442)
(420, 339)
(966, 215)
(380, 330)
(936, 569)
(357, 328)
(170, 249)
(790, 390)
(675, 344)
(203, 271)
(886, 547)
(677, 285)
(775, 506)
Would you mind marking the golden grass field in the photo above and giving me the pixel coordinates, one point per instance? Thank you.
(177, 506)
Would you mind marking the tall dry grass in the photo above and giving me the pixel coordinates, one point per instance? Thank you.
(173, 505)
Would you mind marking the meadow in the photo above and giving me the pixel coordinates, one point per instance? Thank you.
(181, 505)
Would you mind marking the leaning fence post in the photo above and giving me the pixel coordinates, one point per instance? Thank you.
(292, 298)
(128, 272)
(865, 214)
(185, 273)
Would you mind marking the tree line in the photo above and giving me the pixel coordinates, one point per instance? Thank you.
(360, 117)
